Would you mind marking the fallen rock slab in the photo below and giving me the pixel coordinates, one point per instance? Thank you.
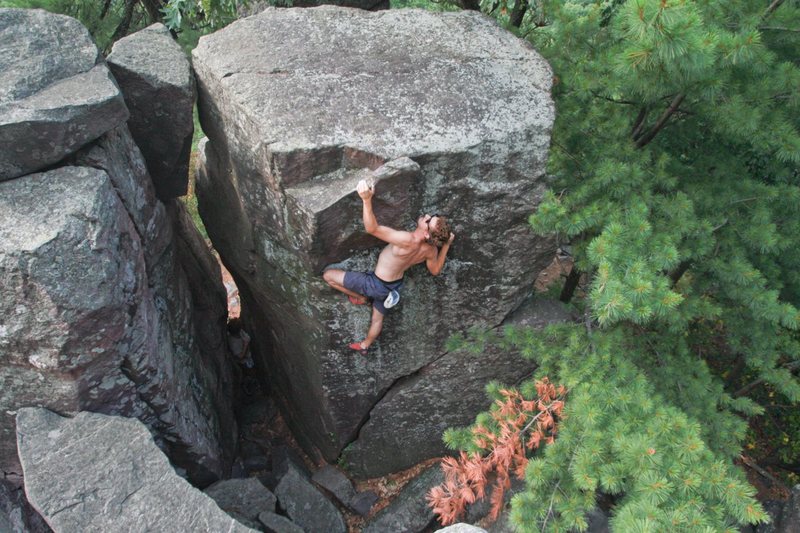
(56, 93)
(124, 481)
(334, 481)
(157, 83)
(409, 511)
(305, 505)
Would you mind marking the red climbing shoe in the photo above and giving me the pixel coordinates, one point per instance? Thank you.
(355, 301)
(357, 347)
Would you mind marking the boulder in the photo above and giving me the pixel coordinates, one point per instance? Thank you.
(111, 300)
(305, 505)
(409, 511)
(334, 481)
(56, 93)
(74, 305)
(362, 502)
(450, 113)
(275, 523)
(242, 497)
(157, 82)
(123, 478)
(461, 528)
(790, 515)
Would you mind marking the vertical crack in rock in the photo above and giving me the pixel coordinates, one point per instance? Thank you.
(396, 385)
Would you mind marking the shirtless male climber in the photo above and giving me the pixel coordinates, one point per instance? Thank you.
(429, 242)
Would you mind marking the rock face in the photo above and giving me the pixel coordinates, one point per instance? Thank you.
(104, 473)
(453, 115)
(110, 301)
(56, 93)
(157, 82)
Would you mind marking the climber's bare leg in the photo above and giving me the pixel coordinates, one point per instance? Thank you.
(374, 329)
(335, 278)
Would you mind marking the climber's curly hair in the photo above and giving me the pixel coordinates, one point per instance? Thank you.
(441, 233)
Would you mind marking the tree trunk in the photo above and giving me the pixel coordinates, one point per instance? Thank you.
(125, 23)
(104, 11)
(472, 5)
(662, 120)
(153, 8)
(518, 13)
(570, 285)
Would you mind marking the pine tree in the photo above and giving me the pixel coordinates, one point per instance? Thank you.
(675, 161)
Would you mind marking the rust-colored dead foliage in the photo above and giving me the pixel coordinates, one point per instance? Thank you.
(521, 427)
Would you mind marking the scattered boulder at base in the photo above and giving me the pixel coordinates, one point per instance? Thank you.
(96, 472)
(409, 511)
(275, 523)
(158, 85)
(452, 114)
(461, 528)
(305, 505)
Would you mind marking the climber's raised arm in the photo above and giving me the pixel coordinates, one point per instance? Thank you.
(371, 226)
(435, 262)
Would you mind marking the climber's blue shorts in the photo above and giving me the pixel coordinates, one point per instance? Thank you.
(369, 285)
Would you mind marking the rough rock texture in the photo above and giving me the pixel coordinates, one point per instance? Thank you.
(457, 114)
(158, 86)
(124, 483)
(362, 502)
(254, 7)
(16, 514)
(110, 301)
(461, 528)
(334, 481)
(409, 511)
(83, 326)
(275, 523)
(56, 93)
(242, 497)
(305, 505)
(400, 424)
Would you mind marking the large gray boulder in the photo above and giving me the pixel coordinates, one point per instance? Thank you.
(73, 305)
(454, 115)
(110, 300)
(56, 93)
(157, 83)
(84, 327)
(104, 473)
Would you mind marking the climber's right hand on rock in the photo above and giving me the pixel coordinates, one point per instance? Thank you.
(364, 190)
